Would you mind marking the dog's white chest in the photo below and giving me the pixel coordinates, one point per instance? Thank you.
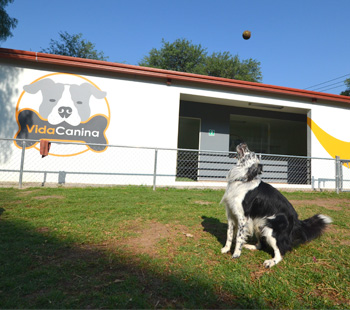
(236, 192)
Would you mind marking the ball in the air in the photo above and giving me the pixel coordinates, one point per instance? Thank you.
(246, 35)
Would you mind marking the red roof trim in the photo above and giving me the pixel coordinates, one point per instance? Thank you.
(166, 74)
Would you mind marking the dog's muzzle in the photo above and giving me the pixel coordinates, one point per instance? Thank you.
(241, 149)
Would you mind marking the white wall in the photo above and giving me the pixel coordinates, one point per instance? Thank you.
(141, 114)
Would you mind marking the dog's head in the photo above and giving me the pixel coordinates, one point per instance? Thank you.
(244, 155)
(248, 166)
(248, 160)
(64, 102)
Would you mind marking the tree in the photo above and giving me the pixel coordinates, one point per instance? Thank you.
(75, 46)
(182, 55)
(227, 66)
(347, 91)
(6, 22)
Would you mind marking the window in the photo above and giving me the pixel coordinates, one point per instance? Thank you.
(269, 135)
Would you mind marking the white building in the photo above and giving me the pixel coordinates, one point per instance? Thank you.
(62, 98)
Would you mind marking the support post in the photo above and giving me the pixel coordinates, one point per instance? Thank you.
(22, 164)
(337, 173)
(45, 175)
(155, 169)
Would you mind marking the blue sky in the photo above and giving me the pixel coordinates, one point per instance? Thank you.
(299, 43)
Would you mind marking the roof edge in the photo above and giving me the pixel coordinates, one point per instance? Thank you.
(166, 74)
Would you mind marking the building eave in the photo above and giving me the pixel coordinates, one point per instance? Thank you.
(167, 75)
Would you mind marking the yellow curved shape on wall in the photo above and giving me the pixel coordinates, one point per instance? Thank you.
(333, 146)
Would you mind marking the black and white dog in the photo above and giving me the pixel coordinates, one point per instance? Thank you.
(255, 207)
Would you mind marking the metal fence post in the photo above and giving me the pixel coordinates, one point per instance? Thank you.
(155, 168)
(337, 174)
(22, 164)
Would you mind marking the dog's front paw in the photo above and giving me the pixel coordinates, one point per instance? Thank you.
(236, 255)
(225, 250)
(250, 247)
(270, 263)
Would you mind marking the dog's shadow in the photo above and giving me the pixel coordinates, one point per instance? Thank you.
(216, 228)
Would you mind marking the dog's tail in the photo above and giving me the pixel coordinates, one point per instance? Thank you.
(310, 228)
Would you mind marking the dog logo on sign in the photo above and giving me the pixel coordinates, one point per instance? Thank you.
(63, 107)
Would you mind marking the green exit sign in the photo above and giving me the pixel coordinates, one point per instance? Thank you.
(211, 132)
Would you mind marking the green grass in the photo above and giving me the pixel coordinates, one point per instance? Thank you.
(131, 247)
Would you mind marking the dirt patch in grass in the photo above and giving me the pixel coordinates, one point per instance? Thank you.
(43, 230)
(326, 292)
(202, 202)
(336, 230)
(328, 203)
(258, 270)
(49, 197)
(27, 192)
(149, 236)
(337, 235)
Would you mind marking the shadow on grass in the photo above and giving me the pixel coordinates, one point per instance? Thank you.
(40, 271)
(216, 228)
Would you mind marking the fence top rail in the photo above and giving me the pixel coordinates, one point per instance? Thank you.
(168, 149)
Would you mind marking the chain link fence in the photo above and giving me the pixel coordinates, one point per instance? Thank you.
(76, 164)
(343, 174)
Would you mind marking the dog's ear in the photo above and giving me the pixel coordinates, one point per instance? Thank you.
(98, 94)
(253, 171)
(38, 85)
